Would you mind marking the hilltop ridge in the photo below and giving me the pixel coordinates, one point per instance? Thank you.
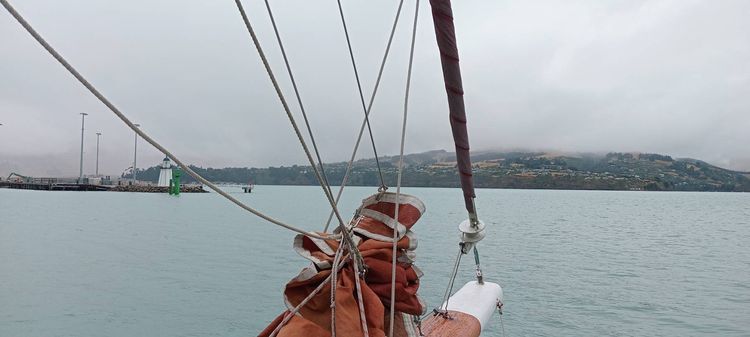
(518, 169)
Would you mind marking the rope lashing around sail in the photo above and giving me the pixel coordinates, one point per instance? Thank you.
(338, 263)
(334, 273)
(372, 228)
(299, 99)
(140, 132)
(284, 104)
(401, 167)
(359, 274)
(367, 112)
(297, 308)
(361, 95)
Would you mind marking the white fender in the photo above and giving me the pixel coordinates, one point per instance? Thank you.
(477, 300)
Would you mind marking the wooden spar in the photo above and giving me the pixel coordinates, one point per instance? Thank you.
(459, 324)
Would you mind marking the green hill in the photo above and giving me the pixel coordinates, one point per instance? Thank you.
(532, 170)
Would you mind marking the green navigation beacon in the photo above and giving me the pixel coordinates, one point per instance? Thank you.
(174, 183)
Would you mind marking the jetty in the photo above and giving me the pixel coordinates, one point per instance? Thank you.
(157, 189)
(20, 182)
(92, 187)
(53, 186)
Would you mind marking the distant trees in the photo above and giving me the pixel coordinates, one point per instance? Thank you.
(654, 157)
(614, 171)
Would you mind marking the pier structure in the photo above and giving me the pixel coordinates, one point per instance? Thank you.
(17, 181)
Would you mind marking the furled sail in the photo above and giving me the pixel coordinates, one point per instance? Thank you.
(372, 230)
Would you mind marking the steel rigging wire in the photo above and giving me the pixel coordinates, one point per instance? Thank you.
(140, 132)
(369, 107)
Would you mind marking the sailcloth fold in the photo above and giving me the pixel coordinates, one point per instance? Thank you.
(373, 228)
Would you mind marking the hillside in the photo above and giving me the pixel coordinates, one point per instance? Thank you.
(528, 170)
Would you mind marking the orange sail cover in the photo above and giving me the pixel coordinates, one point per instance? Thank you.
(373, 231)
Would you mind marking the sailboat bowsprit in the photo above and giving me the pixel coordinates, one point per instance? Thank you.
(362, 280)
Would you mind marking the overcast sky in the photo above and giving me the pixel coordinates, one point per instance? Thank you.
(661, 76)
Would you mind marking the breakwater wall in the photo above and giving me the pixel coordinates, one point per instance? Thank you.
(157, 189)
(52, 186)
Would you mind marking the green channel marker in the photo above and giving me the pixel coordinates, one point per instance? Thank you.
(174, 183)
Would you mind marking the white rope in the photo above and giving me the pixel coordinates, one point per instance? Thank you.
(400, 172)
(359, 271)
(337, 264)
(334, 273)
(362, 314)
(367, 112)
(143, 135)
(361, 95)
(299, 98)
(280, 95)
(299, 306)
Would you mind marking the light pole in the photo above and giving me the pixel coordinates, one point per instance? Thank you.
(135, 154)
(80, 167)
(98, 134)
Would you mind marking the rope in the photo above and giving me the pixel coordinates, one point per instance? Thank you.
(299, 99)
(361, 95)
(276, 86)
(334, 274)
(367, 113)
(362, 315)
(360, 272)
(299, 306)
(143, 135)
(336, 266)
(451, 280)
(400, 170)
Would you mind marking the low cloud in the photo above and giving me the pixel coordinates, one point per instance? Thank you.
(583, 76)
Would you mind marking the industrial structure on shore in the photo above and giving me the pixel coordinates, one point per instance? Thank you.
(169, 176)
(169, 182)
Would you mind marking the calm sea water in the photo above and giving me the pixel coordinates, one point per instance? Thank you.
(572, 263)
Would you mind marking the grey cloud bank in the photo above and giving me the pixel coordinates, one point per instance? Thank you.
(656, 76)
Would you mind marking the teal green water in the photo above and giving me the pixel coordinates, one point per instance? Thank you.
(572, 263)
